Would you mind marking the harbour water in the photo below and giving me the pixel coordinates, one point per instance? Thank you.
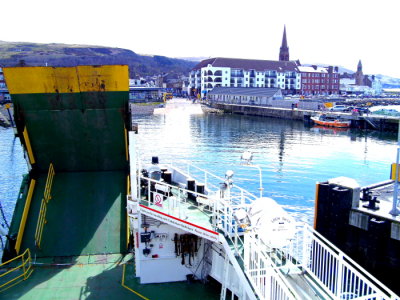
(292, 156)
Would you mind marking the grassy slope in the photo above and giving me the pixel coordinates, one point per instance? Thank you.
(11, 53)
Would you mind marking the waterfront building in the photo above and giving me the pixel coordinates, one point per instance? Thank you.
(358, 83)
(245, 96)
(316, 80)
(244, 73)
(349, 86)
(145, 94)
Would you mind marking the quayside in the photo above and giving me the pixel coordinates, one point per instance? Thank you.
(95, 220)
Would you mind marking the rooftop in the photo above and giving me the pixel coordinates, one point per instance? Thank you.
(310, 69)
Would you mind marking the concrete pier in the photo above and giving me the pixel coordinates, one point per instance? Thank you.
(366, 121)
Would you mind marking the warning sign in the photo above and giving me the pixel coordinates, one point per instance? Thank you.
(158, 199)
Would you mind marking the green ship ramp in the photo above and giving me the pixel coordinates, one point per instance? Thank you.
(74, 119)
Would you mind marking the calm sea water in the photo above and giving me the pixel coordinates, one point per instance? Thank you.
(12, 168)
(292, 156)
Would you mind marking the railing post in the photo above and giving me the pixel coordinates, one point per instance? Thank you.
(339, 276)
(236, 239)
(179, 202)
(23, 265)
(148, 191)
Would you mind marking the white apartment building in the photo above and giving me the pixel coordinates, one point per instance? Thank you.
(233, 72)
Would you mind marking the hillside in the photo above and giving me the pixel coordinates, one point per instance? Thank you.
(33, 54)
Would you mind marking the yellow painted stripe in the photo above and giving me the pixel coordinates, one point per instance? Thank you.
(127, 230)
(123, 284)
(393, 172)
(128, 192)
(28, 146)
(126, 144)
(316, 205)
(103, 78)
(24, 215)
(34, 80)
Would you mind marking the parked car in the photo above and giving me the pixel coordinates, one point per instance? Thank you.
(339, 108)
(362, 109)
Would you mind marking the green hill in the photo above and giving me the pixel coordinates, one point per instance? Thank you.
(33, 54)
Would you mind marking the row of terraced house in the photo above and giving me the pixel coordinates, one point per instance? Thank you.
(289, 76)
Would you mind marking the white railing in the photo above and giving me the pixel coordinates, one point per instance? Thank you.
(263, 273)
(238, 195)
(323, 267)
(338, 274)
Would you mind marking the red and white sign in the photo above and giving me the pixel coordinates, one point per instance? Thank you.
(182, 224)
(158, 199)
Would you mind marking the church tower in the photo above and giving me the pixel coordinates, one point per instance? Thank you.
(359, 74)
(284, 50)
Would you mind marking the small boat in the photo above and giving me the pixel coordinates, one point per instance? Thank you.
(325, 120)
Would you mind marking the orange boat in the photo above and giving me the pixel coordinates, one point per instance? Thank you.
(324, 120)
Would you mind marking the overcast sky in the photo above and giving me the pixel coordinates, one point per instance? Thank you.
(336, 32)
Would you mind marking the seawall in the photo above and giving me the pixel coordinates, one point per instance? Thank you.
(272, 112)
(374, 122)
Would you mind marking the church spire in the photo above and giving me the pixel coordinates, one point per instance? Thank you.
(359, 66)
(284, 50)
(359, 76)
